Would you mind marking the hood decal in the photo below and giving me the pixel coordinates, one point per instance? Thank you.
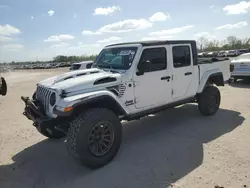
(105, 80)
(75, 74)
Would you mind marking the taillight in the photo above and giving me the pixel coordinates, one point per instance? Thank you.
(231, 67)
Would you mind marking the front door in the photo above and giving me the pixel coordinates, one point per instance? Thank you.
(153, 87)
(182, 70)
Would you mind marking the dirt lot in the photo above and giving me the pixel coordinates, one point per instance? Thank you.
(175, 148)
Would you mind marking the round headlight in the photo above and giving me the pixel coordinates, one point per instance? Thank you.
(52, 99)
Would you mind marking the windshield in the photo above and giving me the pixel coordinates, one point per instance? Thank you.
(116, 58)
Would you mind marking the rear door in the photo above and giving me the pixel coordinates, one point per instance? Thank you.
(182, 70)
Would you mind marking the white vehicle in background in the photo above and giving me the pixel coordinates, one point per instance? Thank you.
(81, 65)
(241, 67)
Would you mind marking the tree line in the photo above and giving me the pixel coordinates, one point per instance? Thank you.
(230, 43)
(62, 58)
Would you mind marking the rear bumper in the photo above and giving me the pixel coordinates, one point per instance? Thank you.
(240, 74)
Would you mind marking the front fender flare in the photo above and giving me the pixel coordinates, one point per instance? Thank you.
(91, 97)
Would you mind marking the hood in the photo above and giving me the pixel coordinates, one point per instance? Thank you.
(81, 79)
(243, 60)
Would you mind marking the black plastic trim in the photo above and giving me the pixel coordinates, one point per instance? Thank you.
(157, 109)
(105, 80)
(96, 99)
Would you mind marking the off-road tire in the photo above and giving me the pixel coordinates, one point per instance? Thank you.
(209, 101)
(52, 134)
(79, 131)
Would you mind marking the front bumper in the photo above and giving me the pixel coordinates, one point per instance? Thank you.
(35, 113)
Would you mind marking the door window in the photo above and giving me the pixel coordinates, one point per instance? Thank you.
(153, 59)
(181, 56)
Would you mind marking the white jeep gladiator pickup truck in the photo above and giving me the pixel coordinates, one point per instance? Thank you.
(127, 81)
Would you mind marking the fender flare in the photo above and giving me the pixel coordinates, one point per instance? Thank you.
(207, 76)
(93, 97)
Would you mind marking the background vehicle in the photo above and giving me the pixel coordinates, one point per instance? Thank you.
(128, 81)
(81, 65)
(241, 66)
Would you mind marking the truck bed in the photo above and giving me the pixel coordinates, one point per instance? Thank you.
(214, 65)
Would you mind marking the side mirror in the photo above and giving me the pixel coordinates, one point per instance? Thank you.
(142, 66)
(3, 87)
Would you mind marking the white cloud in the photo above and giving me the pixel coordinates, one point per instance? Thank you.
(126, 26)
(87, 32)
(239, 8)
(171, 31)
(59, 38)
(106, 11)
(13, 47)
(4, 39)
(212, 6)
(51, 12)
(205, 34)
(75, 16)
(32, 17)
(233, 26)
(60, 45)
(121, 27)
(110, 39)
(8, 30)
(159, 16)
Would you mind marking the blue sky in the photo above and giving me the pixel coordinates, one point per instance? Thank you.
(32, 29)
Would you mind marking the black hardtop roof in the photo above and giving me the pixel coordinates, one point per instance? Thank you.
(155, 42)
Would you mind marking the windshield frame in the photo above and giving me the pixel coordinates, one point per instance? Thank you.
(133, 48)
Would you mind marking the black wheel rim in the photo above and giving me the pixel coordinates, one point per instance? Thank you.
(101, 138)
(213, 103)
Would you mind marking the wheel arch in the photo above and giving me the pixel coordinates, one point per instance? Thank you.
(104, 101)
(211, 78)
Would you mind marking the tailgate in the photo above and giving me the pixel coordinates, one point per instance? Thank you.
(242, 69)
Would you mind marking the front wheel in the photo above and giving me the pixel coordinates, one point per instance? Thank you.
(94, 137)
(209, 101)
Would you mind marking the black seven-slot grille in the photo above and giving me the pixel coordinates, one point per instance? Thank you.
(43, 95)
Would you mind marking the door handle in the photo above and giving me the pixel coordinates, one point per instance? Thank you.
(188, 73)
(165, 78)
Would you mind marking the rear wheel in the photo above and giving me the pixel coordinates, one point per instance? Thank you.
(209, 101)
(94, 137)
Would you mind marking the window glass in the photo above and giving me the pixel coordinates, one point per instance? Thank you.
(181, 56)
(116, 58)
(154, 59)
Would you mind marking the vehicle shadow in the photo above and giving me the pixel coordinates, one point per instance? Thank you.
(243, 83)
(156, 151)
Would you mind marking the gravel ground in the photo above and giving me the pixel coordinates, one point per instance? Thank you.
(175, 148)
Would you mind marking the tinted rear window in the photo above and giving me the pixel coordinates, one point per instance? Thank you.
(75, 66)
